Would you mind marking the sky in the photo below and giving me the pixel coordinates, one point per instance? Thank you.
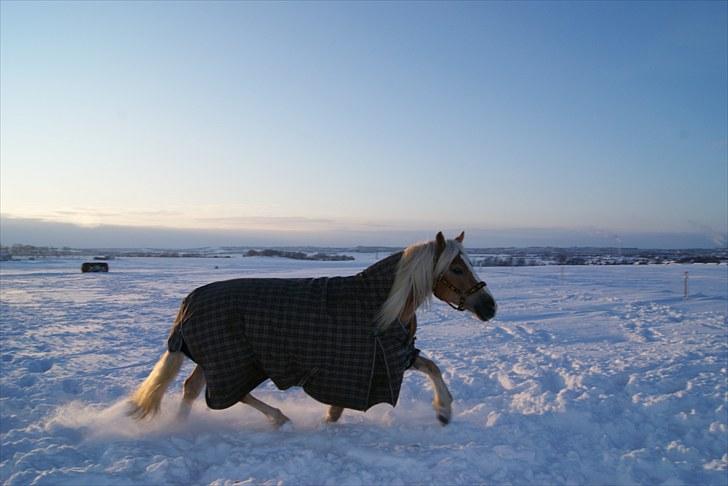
(523, 123)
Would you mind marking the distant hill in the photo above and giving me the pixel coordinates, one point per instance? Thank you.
(298, 255)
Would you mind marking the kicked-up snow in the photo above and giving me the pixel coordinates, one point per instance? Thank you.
(590, 375)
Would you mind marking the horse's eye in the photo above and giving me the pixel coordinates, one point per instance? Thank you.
(457, 270)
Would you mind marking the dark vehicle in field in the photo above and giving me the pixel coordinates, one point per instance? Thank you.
(95, 267)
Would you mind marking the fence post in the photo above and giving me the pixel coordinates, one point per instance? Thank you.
(685, 294)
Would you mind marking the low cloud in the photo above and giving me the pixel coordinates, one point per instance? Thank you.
(267, 222)
(324, 232)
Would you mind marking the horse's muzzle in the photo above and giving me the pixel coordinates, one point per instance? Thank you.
(485, 308)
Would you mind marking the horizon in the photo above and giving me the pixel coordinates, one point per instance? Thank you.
(364, 123)
(58, 235)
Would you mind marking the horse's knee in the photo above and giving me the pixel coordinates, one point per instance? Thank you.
(433, 369)
(427, 366)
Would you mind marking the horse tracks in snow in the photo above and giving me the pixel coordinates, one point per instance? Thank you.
(597, 375)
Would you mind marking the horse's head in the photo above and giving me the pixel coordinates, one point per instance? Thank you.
(458, 285)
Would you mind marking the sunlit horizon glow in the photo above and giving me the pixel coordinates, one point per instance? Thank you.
(378, 121)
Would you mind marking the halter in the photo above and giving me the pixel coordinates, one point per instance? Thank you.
(463, 294)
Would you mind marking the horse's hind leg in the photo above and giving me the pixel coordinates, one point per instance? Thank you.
(334, 413)
(192, 388)
(273, 414)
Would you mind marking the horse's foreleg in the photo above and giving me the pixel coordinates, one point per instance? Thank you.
(192, 388)
(273, 414)
(334, 413)
(443, 400)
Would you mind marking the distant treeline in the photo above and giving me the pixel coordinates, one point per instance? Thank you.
(37, 251)
(298, 255)
(507, 261)
(170, 254)
(30, 251)
(566, 258)
(482, 257)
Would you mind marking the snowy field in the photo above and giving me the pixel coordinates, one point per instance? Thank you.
(597, 375)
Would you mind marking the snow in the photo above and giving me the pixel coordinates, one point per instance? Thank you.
(597, 375)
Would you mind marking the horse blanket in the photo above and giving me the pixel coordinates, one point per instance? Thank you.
(316, 333)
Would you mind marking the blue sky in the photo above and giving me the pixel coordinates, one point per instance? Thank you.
(345, 122)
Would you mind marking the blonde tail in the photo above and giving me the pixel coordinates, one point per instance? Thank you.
(147, 398)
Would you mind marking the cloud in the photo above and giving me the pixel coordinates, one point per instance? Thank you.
(323, 232)
(101, 216)
(270, 222)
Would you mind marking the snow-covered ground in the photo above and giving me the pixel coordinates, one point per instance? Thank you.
(597, 375)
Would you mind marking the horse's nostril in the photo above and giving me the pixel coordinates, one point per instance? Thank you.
(485, 310)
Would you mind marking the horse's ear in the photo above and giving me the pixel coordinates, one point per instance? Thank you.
(460, 238)
(440, 243)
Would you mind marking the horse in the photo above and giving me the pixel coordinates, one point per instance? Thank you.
(345, 340)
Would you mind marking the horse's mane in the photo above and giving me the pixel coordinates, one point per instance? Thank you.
(415, 277)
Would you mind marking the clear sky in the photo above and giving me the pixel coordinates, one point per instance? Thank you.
(365, 122)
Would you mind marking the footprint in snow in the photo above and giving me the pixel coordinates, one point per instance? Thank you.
(552, 382)
(542, 337)
(649, 335)
(71, 387)
(40, 365)
(27, 381)
(533, 335)
(503, 333)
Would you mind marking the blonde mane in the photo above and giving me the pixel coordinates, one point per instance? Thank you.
(415, 277)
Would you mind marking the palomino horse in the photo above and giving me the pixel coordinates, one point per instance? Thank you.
(345, 340)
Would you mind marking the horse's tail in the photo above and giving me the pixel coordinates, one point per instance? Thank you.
(147, 398)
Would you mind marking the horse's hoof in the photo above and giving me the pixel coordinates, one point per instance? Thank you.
(285, 426)
(279, 420)
(443, 419)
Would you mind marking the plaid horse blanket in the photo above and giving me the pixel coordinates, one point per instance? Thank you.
(316, 333)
